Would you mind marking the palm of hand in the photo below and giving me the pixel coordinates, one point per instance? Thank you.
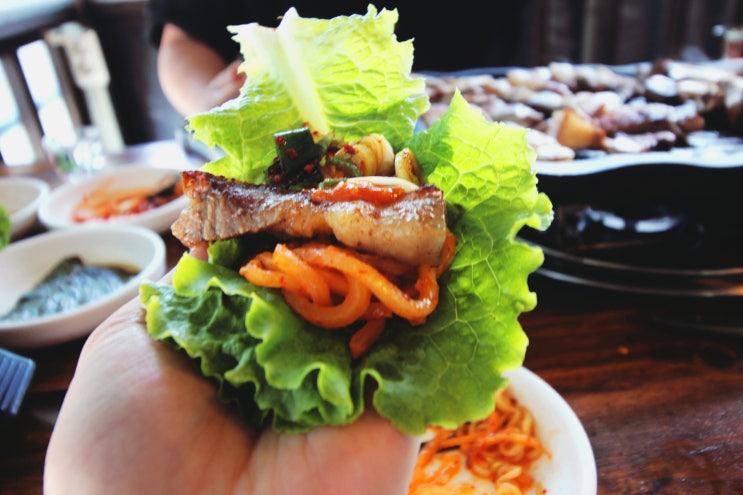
(139, 419)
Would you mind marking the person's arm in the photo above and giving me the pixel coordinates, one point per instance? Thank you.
(192, 75)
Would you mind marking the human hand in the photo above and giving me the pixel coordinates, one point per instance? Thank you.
(139, 418)
(224, 86)
(192, 75)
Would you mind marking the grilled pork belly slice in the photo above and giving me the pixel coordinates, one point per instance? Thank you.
(411, 228)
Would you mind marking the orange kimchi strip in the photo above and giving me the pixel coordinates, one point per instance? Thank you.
(334, 287)
(500, 448)
(388, 293)
(350, 310)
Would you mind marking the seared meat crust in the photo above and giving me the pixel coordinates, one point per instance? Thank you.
(411, 229)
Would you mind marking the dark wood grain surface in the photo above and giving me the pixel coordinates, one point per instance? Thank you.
(662, 405)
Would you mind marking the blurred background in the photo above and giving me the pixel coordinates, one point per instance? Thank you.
(68, 63)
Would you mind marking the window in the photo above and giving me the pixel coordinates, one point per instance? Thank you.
(15, 145)
(40, 77)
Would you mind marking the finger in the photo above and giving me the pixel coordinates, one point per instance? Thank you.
(229, 79)
(200, 251)
(368, 456)
(376, 456)
(234, 70)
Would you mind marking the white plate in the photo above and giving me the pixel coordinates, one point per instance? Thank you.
(24, 263)
(21, 197)
(571, 467)
(56, 210)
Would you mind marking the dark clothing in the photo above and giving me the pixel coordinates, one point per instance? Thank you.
(487, 34)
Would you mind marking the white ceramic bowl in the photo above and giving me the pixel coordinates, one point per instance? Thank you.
(21, 198)
(571, 468)
(56, 210)
(24, 263)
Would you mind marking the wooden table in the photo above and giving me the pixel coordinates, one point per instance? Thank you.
(662, 406)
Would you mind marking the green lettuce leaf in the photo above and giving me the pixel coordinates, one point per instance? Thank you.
(277, 368)
(446, 372)
(4, 227)
(348, 75)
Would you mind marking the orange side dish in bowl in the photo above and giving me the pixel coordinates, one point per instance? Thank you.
(107, 201)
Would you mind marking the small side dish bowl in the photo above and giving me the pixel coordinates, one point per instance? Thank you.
(568, 468)
(21, 198)
(571, 466)
(56, 211)
(26, 262)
